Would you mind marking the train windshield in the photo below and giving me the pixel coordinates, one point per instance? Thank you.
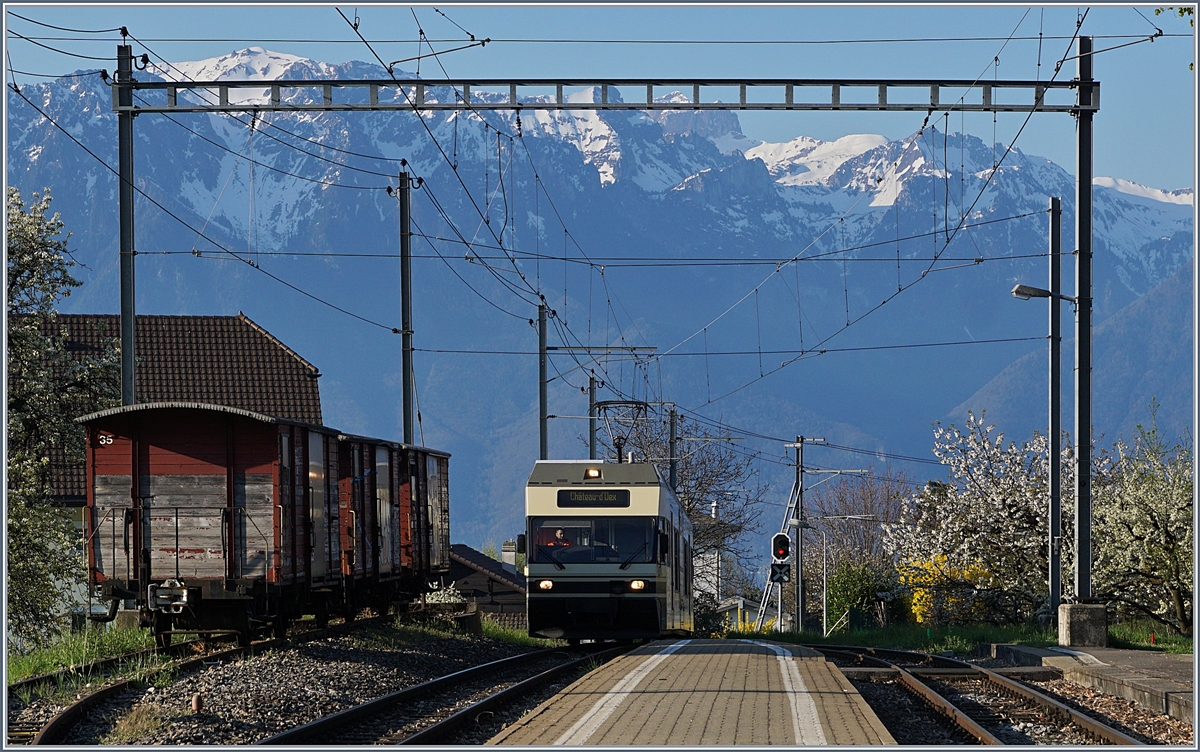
(599, 539)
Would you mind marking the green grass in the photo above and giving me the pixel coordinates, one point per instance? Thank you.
(958, 639)
(1136, 635)
(402, 633)
(143, 720)
(76, 650)
(497, 631)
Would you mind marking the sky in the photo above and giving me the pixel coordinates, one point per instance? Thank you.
(1145, 130)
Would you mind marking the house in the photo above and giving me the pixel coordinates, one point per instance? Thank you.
(737, 613)
(482, 580)
(220, 360)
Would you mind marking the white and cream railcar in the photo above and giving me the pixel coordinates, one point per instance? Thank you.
(609, 552)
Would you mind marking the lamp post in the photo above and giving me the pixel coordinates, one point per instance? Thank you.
(824, 555)
(1025, 292)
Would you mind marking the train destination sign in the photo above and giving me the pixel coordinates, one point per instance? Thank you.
(596, 497)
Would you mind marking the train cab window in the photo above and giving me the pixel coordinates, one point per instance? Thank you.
(585, 540)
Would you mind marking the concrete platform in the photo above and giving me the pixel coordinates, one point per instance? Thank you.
(705, 693)
(1162, 682)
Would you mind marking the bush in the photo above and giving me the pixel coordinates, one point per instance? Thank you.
(707, 621)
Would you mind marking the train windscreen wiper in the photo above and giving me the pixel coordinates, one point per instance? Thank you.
(633, 556)
(550, 553)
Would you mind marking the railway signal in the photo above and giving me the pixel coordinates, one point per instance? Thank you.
(781, 572)
(781, 548)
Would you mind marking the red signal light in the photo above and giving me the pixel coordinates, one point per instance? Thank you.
(781, 547)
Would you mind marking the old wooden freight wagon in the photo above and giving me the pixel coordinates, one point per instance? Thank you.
(207, 518)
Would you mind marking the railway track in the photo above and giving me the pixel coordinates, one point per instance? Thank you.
(435, 711)
(53, 731)
(986, 705)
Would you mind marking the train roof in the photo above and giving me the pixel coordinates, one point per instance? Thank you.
(570, 472)
(387, 442)
(175, 405)
(179, 405)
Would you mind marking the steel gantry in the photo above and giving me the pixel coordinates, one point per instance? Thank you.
(775, 94)
(876, 95)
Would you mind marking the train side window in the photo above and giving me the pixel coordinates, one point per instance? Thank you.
(664, 540)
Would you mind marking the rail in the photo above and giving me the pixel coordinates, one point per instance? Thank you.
(945, 666)
(57, 727)
(440, 730)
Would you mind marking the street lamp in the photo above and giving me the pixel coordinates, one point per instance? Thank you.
(801, 525)
(1025, 292)
(824, 557)
(1083, 517)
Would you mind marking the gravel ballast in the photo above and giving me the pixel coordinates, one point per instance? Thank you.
(251, 699)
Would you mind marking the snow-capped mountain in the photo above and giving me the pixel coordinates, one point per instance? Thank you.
(866, 215)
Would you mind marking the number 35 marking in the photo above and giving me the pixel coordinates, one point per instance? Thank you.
(105, 439)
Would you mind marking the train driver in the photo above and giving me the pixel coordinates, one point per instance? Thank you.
(560, 538)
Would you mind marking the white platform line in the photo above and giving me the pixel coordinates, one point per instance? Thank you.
(805, 722)
(583, 729)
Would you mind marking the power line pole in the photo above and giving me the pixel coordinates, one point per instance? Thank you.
(1052, 439)
(671, 451)
(799, 447)
(1083, 327)
(592, 416)
(799, 534)
(406, 349)
(125, 168)
(544, 439)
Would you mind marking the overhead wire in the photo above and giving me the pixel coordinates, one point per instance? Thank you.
(82, 74)
(203, 96)
(486, 299)
(865, 348)
(436, 144)
(991, 176)
(180, 220)
(60, 52)
(339, 164)
(501, 246)
(63, 28)
(537, 182)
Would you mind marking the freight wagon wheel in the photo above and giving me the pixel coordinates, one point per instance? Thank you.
(279, 626)
(161, 626)
(244, 632)
(380, 606)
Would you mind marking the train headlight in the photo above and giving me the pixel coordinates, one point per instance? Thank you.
(637, 585)
(545, 584)
(591, 473)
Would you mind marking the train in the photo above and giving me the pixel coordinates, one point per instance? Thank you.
(609, 553)
(214, 519)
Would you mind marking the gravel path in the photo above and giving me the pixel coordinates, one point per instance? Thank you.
(251, 699)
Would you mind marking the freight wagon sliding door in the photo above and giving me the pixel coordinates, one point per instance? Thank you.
(319, 551)
(251, 473)
(208, 503)
(183, 464)
(386, 512)
(438, 490)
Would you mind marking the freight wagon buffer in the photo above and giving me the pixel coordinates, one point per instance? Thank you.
(241, 521)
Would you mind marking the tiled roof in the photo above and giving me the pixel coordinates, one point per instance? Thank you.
(485, 564)
(220, 360)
